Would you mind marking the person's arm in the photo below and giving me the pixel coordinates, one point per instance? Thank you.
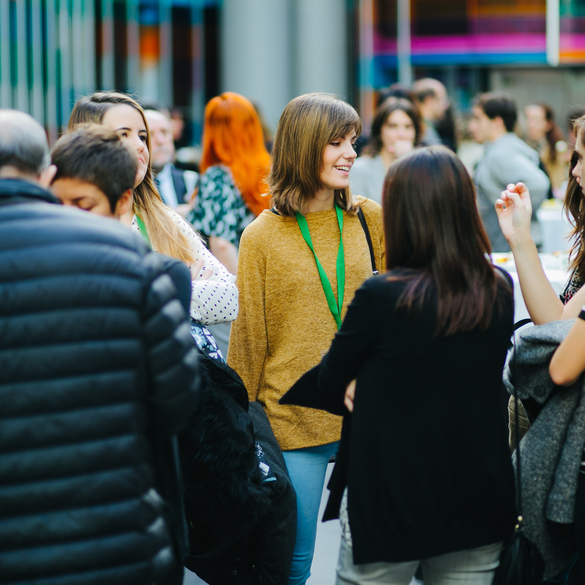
(514, 210)
(352, 344)
(216, 215)
(225, 252)
(568, 361)
(214, 294)
(248, 344)
(172, 362)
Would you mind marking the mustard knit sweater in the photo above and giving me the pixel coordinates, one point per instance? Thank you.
(284, 325)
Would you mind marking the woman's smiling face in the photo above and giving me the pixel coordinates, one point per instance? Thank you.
(338, 158)
(129, 124)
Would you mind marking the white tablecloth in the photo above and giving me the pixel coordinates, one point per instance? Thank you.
(555, 268)
(555, 226)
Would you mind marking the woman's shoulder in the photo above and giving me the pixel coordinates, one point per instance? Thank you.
(184, 226)
(219, 175)
(217, 171)
(369, 206)
(372, 212)
(263, 225)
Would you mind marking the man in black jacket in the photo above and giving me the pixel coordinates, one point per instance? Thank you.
(97, 373)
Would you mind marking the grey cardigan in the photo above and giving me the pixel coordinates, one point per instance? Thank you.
(552, 448)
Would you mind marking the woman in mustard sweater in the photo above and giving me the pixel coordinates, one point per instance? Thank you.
(300, 264)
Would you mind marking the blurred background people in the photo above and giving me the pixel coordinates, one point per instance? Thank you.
(298, 262)
(214, 293)
(396, 130)
(396, 90)
(446, 129)
(506, 159)
(546, 137)
(433, 103)
(175, 186)
(234, 166)
(232, 187)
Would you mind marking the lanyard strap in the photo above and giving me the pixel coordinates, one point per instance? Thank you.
(334, 307)
(143, 231)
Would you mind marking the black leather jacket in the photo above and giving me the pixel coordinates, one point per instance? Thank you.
(97, 373)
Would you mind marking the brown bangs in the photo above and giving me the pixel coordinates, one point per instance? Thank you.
(306, 126)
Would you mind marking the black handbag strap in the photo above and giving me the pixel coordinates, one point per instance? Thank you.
(364, 223)
(517, 437)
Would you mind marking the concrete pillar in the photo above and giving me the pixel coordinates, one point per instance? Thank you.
(255, 53)
(321, 47)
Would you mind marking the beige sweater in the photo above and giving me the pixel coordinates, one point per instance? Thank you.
(284, 325)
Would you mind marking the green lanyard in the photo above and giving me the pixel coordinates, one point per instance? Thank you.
(333, 307)
(143, 231)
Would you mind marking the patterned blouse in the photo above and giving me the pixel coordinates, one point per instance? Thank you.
(214, 300)
(573, 285)
(219, 208)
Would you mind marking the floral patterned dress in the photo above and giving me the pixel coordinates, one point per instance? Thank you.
(219, 208)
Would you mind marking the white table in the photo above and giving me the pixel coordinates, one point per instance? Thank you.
(555, 268)
(555, 226)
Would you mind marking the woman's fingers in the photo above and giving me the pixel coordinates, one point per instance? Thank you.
(196, 273)
(196, 268)
(349, 396)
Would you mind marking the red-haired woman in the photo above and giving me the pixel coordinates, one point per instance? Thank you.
(234, 166)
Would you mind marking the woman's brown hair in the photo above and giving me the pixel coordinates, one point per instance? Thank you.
(574, 206)
(384, 111)
(163, 231)
(306, 126)
(435, 239)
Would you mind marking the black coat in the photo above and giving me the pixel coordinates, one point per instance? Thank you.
(426, 458)
(97, 372)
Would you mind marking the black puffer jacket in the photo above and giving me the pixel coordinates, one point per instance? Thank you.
(97, 372)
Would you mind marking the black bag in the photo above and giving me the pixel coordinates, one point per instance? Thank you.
(520, 561)
(240, 503)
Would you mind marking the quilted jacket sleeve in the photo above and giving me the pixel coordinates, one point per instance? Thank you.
(172, 366)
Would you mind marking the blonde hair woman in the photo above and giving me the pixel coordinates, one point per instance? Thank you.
(214, 293)
(299, 266)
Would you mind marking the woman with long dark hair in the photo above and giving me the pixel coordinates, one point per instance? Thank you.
(234, 165)
(396, 130)
(421, 352)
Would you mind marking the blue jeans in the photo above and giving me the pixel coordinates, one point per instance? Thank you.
(307, 469)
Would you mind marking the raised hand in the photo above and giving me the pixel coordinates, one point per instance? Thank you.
(514, 210)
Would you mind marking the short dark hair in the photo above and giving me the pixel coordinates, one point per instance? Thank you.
(498, 104)
(96, 155)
